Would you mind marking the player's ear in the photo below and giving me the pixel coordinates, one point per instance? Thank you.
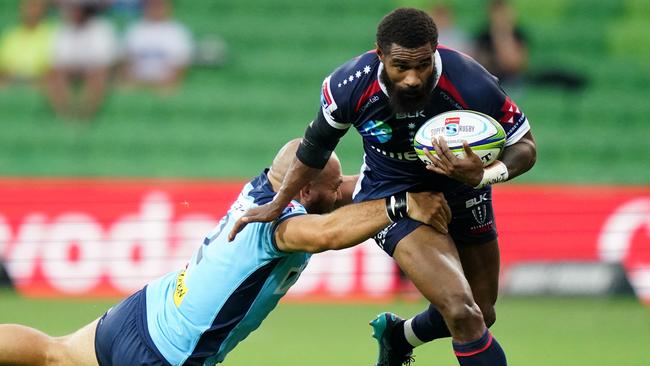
(305, 193)
(379, 52)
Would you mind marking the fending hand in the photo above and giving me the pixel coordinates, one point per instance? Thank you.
(429, 208)
(265, 213)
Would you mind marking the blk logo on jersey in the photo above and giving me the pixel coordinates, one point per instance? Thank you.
(378, 131)
(452, 126)
(418, 114)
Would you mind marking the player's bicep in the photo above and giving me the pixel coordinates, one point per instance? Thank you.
(301, 234)
(319, 142)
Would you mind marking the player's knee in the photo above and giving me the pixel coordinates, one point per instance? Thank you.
(460, 312)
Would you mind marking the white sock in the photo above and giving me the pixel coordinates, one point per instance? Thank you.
(409, 334)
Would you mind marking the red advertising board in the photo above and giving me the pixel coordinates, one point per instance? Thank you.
(85, 237)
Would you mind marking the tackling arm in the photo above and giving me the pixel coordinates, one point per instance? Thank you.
(318, 233)
(352, 224)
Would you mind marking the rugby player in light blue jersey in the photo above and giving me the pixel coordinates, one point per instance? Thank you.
(198, 314)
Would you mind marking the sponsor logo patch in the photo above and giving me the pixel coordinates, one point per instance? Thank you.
(181, 290)
(377, 131)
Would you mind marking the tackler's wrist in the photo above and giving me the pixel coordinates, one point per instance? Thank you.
(495, 173)
(397, 206)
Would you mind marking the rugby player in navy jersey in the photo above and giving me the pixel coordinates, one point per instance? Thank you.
(386, 94)
(196, 315)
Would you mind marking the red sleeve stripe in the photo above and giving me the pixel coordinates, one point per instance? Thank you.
(326, 93)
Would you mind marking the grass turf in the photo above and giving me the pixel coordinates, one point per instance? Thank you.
(533, 331)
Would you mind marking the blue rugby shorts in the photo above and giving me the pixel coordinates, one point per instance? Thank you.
(472, 220)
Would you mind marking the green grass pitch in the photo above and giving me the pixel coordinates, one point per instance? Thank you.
(533, 331)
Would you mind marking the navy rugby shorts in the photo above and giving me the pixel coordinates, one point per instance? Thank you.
(122, 338)
(472, 220)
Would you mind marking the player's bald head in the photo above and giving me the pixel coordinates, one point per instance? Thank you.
(282, 161)
(286, 155)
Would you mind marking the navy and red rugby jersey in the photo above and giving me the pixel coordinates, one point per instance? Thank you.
(354, 95)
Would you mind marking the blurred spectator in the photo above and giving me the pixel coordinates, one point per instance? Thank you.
(25, 49)
(449, 34)
(126, 9)
(158, 49)
(85, 48)
(502, 46)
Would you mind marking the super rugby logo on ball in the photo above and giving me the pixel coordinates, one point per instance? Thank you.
(484, 135)
(451, 126)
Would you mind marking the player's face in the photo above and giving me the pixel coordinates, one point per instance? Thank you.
(409, 75)
(325, 189)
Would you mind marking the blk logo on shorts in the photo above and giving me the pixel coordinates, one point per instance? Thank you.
(477, 200)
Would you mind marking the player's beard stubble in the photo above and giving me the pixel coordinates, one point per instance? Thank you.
(405, 101)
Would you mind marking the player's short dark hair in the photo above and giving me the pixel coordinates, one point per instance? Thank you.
(406, 27)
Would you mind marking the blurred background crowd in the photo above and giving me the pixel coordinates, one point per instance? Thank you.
(165, 81)
(74, 49)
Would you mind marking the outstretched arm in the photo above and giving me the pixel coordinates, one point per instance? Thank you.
(352, 224)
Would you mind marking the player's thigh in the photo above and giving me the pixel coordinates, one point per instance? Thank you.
(77, 349)
(431, 262)
(474, 231)
(481, 263)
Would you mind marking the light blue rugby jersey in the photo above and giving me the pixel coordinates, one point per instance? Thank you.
(197, 315)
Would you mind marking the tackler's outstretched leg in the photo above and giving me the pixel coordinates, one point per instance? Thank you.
(25, 346)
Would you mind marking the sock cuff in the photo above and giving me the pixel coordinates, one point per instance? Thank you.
(474, 347)
(410, 335)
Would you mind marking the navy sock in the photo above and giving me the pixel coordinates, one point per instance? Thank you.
(430, 325)
(484, 351)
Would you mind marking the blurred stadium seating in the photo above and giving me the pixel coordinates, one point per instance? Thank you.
(227, 121)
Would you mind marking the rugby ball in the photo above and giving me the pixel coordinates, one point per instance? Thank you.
(484, 135)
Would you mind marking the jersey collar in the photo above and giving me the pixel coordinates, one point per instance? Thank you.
(436, 59)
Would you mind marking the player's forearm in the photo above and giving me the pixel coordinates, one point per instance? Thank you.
(352, 224)
(520, 157)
